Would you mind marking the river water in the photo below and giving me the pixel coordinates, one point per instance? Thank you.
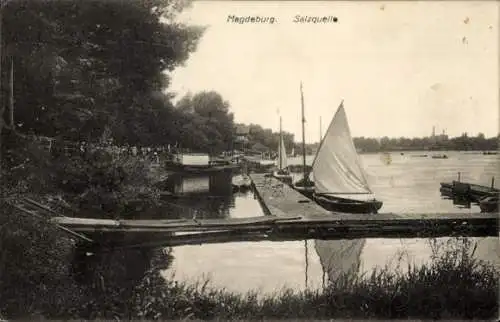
(406, 184)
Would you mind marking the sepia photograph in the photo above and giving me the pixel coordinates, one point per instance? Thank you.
(249, 160)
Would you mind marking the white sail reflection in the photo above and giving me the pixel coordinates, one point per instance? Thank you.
(339, 258)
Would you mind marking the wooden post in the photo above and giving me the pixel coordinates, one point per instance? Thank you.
(459, 177)
(11, 95)
(1, 96)
(492, 183)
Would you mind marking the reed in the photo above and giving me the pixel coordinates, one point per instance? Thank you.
(37, 280)
(452, 285)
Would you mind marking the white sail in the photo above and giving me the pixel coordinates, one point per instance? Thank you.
(282, 157)
(337, 168)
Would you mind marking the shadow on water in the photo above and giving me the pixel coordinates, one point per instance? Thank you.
(185, 195)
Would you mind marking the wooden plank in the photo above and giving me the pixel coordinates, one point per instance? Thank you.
(282, 223)
(281, 218)
(163, 223)
(69, 221)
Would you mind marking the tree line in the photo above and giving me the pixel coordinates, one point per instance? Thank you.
(460, 143)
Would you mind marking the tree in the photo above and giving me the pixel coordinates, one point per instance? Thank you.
(88, 65)
(207, 122)
(86, 68)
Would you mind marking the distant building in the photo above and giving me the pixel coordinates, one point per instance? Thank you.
(438, 138)
(241, 137)
(242, 133)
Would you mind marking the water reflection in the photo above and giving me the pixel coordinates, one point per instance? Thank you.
(200, 196)
(406, 185)
(339, 257)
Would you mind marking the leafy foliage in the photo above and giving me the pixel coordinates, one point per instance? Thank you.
(83, 66)
(205, 122)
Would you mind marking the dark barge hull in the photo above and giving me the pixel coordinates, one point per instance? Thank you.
(337, 204)
(472, 192)
(200, 169)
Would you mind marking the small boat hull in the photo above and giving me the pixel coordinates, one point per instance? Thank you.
(489, 204)
(284, 177)
(337, 204)
(305, 187)
(306, 191)
(241, 183)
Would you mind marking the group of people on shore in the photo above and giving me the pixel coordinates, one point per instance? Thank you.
(152, 153)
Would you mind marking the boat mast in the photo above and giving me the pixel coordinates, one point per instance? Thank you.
(303, 132)
(320, 132)
(279, 147)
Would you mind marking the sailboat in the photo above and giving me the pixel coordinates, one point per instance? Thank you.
(282, 172)
(339, 179)
(305, 185)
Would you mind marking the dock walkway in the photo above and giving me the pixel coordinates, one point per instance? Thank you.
(289, 216)
(278, 196)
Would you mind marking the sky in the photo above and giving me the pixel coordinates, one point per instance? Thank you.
(400, 67)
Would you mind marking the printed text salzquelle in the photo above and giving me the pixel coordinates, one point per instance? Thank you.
(314, 19)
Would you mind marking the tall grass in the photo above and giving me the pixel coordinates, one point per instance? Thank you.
(37, 279)
(452, 285)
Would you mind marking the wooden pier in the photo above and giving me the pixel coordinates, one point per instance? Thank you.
(468, 191)
(280, 199)
(289, 216)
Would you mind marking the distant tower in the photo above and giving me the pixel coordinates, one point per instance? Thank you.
(433, 131)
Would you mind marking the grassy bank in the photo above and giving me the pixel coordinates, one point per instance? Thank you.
(40, 277)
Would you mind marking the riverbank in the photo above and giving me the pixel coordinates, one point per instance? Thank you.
(45, 277)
